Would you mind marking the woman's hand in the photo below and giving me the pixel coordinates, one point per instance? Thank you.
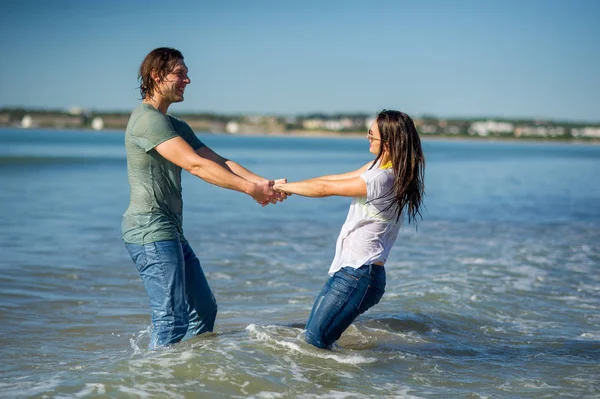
(279, 187)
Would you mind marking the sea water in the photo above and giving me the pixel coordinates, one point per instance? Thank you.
(495, 295)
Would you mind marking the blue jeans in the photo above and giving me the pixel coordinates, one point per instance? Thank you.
(180, 298)
(349, 293)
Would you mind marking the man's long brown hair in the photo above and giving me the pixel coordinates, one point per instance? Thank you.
(162, 61)
(399, 134)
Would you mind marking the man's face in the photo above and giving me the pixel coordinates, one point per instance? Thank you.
(173, 85)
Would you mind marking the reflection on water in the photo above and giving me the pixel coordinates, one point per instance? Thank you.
(497, 295)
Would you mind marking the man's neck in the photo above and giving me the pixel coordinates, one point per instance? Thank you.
(158, 103)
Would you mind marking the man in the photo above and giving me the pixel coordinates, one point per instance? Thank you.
(158, 147)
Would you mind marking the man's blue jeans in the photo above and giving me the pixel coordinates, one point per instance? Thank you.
(180, 298)
(349, 293)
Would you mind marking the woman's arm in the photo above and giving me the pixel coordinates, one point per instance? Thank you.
(346, 175)
(319, 187)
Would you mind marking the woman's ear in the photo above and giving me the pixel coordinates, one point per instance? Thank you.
(386, 147)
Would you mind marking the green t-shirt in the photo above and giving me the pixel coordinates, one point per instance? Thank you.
(155, 205)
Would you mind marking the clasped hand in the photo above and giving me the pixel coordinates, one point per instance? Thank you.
(273, 194)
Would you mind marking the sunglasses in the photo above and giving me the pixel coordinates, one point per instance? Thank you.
(371, 137)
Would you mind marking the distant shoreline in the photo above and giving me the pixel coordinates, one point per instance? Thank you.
(346, 135)
(318, 125)
(423, 136)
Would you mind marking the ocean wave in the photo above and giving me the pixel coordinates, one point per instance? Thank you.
(288, 338)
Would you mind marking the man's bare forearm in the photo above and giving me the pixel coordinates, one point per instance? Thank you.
(243, 172)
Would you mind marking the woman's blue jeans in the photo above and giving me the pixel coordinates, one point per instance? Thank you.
(349, 293)
(181, 300)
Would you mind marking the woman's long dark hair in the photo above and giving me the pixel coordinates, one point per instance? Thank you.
(399, 135)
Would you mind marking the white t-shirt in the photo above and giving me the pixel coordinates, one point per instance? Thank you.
(369, 231)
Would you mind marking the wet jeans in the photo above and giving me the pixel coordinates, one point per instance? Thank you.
(349, 293)
(180, 298)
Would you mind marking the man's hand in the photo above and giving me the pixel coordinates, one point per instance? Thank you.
(263, 192)
(277, 195)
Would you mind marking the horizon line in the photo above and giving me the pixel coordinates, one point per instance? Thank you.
(423, 115)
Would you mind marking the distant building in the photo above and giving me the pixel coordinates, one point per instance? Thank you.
(27, 122)
(485, 128)
(75, 111)
(232, 127)
(4, 119)
(97, 123)
(540, 131)
(48, 120)
(587, 131)
(313, 124)
(113, 121)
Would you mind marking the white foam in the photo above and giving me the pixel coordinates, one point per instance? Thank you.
(333, 394)
(93, 388)
(279, 243)
(409, 336)
(269, 395)
(340, 358)
(220, 276)
(185, 356)
(473, 261)
(583, 287)
(135, 392)
(590, 336)
(26, 389)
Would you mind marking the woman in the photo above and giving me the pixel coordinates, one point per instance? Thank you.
(383, 190)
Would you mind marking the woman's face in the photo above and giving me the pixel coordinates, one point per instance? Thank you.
(374, 139)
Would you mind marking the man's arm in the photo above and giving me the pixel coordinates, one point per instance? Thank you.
(234, 167)
(178, 151)
(239, 170)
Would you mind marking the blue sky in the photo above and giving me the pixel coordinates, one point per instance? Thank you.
(526, 58)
